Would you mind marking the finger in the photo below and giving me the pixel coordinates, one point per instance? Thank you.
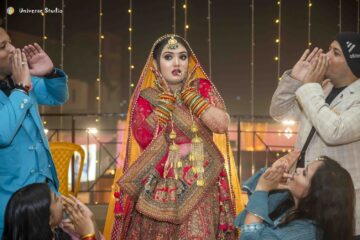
(29, 51)
(312, 54)
(24, 61)
(33, 50)
(305, 54)
(325, 82)
(288, 176)
(26, 53)
(38, 48)
(317, 54)
(282, 186)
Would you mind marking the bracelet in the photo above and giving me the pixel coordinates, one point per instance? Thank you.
(23, 87)
(194, 101)
(90, 236)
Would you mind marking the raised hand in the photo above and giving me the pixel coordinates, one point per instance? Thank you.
(80, 216)
(273, 179)
(304, 64)
(40, 63)
(287, 160)
(160, 80)
(20, 69)
(316, 74)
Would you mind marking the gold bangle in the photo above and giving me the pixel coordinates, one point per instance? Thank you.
(88, 235)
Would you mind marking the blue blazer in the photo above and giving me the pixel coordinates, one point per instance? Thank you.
(25, 157)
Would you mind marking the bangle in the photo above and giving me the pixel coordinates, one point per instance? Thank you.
(90, 236)
(23, 87)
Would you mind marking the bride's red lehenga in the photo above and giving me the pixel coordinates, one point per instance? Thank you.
(158, 207)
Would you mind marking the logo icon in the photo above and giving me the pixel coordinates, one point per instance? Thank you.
(10, 10)
(350, 46)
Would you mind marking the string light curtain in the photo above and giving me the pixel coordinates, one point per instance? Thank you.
(62, 55)
(278, 40)
(309, 23)
(252, 81)
(44, 38)
(100, 57)
(340, 16)
(209, 38)
(6, 15)
(186, 25)
(130, 48)
(174, 16)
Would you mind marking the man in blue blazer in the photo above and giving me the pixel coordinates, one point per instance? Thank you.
(27, 78)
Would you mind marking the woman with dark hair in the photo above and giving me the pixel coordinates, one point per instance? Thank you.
(319, 203)
(179, 178)
(35, 212)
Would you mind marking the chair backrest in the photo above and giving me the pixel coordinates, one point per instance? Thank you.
(62, 153)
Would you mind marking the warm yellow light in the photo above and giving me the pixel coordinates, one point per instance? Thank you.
(44, 122)
(132, 85)
(277, 21)
(132, 66)
(184, 6)
(276, 58)
(129, 11)
(45, 37)
(101, 14)
(278, 3)
(102, 36)
(130, 29)
(277, 40)
(42, 14)
(129, 48)
(309, 43)
(97, 98)
(279, 79)
(98, 79)
(100, 56)
(187, 26)
(97, 120)
(310, 4)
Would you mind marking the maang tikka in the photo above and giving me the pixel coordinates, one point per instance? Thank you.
(172, 43)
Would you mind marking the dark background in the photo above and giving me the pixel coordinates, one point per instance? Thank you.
(231, 40)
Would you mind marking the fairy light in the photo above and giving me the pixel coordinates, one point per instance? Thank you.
(131, 85)
(6, 16)
(309, 23)
(278, 39)
(62, 56)
(186, 25)
(174, 16)
(340, 16)
(44, 38)
(252, 79)
(209, 38)
(100, 59)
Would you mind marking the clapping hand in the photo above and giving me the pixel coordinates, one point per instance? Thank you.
(40, 63)
(304, 64)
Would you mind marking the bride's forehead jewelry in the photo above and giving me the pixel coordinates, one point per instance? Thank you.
(172, 43)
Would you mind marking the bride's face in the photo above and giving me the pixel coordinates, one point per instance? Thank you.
(174, 64)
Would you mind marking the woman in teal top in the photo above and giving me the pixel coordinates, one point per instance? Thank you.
(317, 203)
